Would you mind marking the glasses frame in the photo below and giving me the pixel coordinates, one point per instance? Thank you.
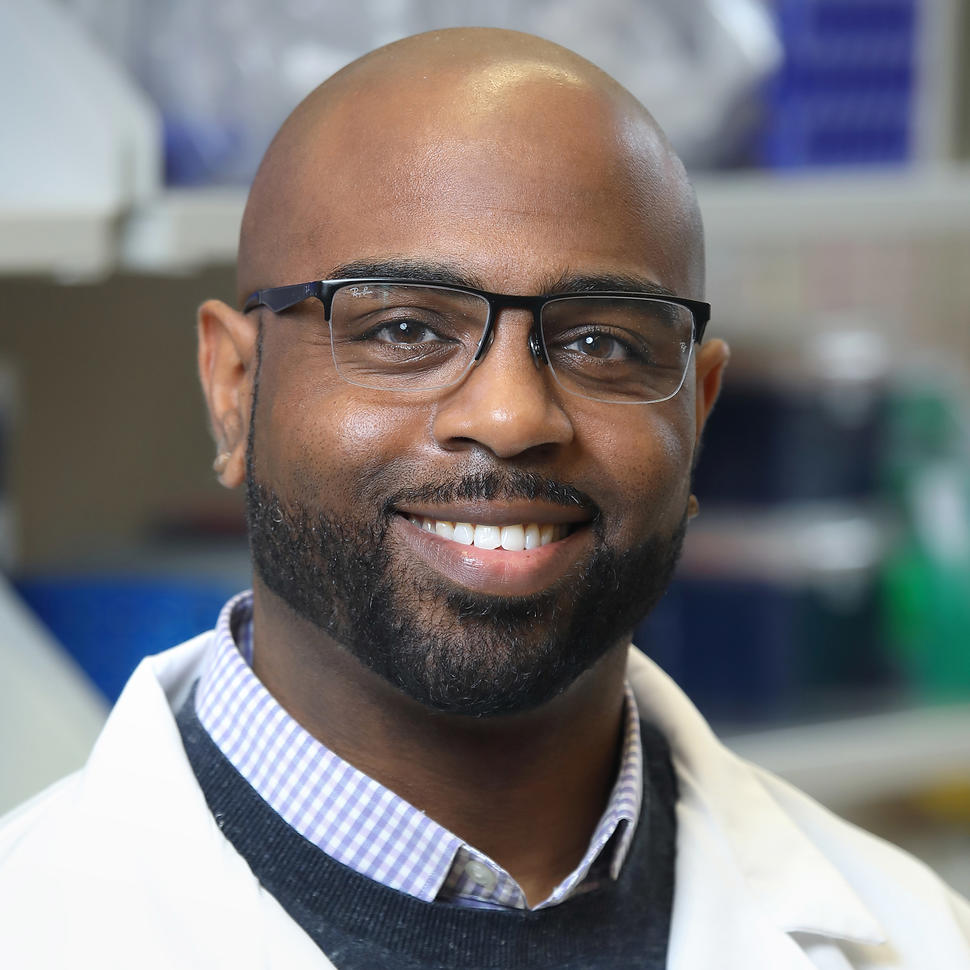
(278, 299)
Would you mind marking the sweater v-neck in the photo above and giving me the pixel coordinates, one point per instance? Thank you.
(362, 925)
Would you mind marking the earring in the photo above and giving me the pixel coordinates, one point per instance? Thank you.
(222, 459)
(693, 507)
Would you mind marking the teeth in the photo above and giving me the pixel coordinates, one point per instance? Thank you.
(464, 533)
(488, 536)
(513, 538)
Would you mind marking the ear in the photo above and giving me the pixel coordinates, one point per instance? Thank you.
(227, 361)
(712, 358)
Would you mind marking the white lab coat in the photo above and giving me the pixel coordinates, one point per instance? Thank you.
(122, 865)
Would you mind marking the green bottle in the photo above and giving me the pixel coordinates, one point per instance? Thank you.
(927, 578)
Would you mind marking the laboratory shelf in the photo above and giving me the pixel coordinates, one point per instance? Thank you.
(67, 243)
(180, 230)
(857, 203)
(185, 228)
(853, 761)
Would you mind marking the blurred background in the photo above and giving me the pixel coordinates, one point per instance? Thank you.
(821, 614)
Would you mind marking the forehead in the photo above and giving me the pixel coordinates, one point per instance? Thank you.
(514, 177)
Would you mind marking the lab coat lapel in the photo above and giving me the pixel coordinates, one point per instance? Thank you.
(715, 920)
(747, 877)
(156, 811)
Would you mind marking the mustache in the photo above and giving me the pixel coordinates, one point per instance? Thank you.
(507, 485)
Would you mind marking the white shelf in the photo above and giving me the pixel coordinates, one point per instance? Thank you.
(181, 230)
(185, 228)
(860, 760)
(66, 243)
(863, 204)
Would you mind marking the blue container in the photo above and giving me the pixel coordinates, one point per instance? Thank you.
(109, 623)
(846, 90)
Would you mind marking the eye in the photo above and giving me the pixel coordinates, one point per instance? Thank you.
(602, 346)
(402, 332)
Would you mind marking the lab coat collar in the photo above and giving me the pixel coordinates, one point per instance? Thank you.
(731, 829)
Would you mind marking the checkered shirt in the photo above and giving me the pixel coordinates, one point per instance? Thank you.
(358, 821)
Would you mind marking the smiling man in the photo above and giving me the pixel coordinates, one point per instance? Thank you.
(463, 388)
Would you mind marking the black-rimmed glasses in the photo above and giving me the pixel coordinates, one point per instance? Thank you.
(404, 335)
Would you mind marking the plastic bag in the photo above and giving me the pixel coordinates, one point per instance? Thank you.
(226, 72)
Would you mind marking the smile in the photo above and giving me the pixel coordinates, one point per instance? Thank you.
(497, 548)
(517, 537)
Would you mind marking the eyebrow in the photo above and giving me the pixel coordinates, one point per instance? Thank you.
(438, 272)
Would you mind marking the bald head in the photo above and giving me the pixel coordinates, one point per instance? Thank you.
(459, 121)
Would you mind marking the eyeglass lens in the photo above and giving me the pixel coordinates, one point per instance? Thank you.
(416, 337)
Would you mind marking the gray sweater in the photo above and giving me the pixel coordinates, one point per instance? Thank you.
(363, 925)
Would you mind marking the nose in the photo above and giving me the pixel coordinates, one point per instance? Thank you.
(506, 403)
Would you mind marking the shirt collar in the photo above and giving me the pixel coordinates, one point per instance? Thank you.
(355, 819)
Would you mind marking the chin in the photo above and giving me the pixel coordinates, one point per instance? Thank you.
(449, 649)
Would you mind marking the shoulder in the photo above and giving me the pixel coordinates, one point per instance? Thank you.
(907, 897)
(139, 725)
(98, 855)
(19, 827)
(124, 857)
(751, 848)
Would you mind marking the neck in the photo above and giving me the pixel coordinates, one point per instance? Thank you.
(527, 789)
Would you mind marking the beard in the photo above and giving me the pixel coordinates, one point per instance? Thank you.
(448, 648)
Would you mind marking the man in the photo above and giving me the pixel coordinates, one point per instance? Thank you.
(423, 740)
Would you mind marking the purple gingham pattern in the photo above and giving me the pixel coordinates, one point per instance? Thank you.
(358, 821)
